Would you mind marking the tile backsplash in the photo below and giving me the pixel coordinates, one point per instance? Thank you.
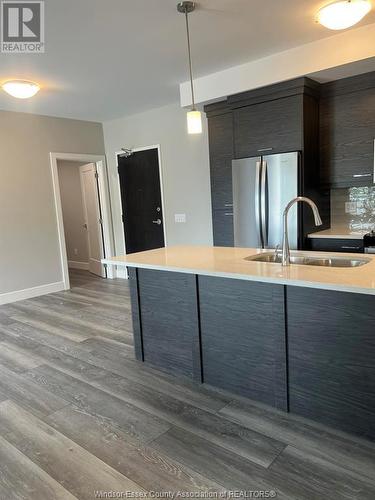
(353, 208)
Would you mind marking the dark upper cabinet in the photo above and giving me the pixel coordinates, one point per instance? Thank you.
(243, 338)
(269, 127)
(347, 131)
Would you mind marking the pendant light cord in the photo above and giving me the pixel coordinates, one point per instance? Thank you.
(190, 64)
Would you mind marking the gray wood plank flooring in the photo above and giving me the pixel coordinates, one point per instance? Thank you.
(78, 415)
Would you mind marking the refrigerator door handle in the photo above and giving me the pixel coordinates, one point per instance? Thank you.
(257, 199)
(263, 204)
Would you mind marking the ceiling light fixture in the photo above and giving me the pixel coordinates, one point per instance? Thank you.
(194, 117)
(21, 89)
(343, 14)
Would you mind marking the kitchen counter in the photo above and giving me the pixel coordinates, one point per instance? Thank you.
(341, 233)
(229, 262)
(288, 337)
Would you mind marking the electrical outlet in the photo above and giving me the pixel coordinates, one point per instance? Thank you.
(180, 218)
(351, 207)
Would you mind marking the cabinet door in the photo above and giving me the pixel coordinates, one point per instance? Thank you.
(331, 352)
(243, 338)
(220, 129)
(336, 245)
(347, 138)
(222, 223)
(169, 321)
(269, 127)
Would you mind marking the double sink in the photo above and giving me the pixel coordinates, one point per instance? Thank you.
(310, 260)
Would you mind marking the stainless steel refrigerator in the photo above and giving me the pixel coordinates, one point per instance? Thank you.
(262, 187)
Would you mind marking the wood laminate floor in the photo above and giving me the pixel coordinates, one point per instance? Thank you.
(81, 419)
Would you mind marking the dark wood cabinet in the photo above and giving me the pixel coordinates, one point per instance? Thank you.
(221, 155)
(336, 245)
(220, 128)
(169, 325)
(347, 131)
(269, 127)
(331, 353)
(304, 350)
(243, 338)
(222, 221)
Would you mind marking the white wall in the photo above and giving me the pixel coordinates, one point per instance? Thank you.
(185, 170)
(29, 252)
(72, 208)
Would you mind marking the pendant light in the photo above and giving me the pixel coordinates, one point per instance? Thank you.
(194, 117)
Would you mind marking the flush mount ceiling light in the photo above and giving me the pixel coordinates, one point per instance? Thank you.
(343, 14)
(21, 89)
(194, 117)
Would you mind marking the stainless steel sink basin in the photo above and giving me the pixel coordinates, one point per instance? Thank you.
(310, 260)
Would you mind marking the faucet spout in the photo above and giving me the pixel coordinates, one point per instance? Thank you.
(317, 219)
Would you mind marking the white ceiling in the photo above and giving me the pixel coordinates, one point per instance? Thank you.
(108, 58)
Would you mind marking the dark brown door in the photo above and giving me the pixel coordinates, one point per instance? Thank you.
(142, 212)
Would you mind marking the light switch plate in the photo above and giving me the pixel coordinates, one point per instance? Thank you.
(180, 218)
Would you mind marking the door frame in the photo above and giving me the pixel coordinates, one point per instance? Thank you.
(101, 167)
(135, 150)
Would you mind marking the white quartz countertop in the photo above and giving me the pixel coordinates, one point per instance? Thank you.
(230, 263)
(342, 233)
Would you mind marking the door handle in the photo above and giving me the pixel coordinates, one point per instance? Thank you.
(257, 200)
(157, 221)
(263, 203)
(84, 226)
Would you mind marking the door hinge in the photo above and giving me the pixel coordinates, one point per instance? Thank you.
(101, 222)
(123, 217)
(96, 175)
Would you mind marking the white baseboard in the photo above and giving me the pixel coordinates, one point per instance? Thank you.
(29, 293)
(72, 264)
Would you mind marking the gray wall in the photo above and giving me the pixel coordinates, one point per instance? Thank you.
(29, 254)
(185, 169)
(73, 213)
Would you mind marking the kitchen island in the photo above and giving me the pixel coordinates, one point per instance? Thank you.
(298, 338)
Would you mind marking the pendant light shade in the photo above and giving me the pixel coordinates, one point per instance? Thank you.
(194, 117)
(194, 122)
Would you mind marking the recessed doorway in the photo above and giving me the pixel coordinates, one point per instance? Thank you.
(83, 213)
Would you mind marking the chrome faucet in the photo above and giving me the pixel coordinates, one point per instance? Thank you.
(318, 222)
